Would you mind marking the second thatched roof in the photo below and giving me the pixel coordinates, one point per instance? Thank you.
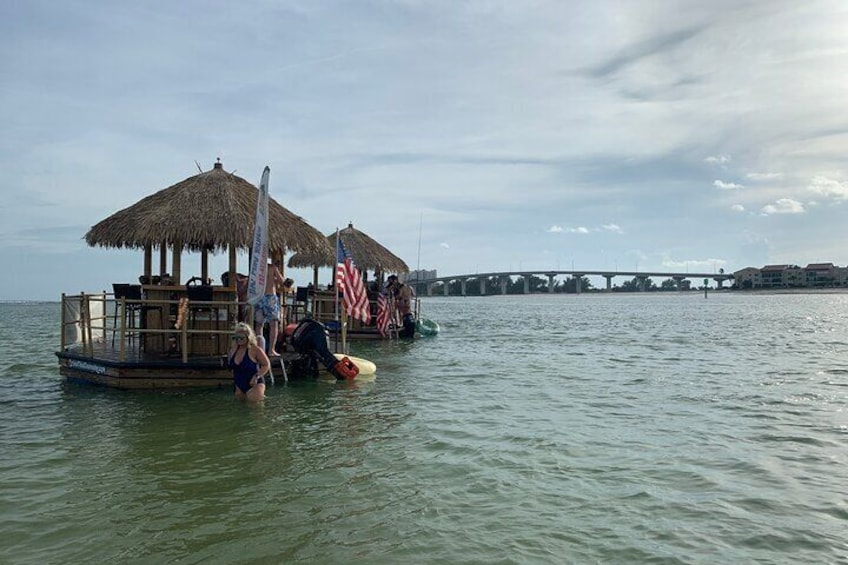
(212, 210)
(367, 253)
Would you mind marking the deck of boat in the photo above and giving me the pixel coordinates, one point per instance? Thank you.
(102, 364)
(111, 343)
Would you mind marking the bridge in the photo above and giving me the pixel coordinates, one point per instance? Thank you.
(504, 278)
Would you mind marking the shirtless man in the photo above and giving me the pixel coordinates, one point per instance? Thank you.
(268, 308)
(404, 294)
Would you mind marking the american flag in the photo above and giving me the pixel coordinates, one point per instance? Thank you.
(383, 314)
(349, 281)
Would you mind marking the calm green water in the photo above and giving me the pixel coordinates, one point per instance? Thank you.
(661, 428)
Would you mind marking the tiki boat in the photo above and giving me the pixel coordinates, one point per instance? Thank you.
(156, 332)
(371, 256)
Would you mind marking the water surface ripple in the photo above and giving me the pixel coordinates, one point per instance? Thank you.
(656, 428)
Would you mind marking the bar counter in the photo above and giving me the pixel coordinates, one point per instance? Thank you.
(207, 322)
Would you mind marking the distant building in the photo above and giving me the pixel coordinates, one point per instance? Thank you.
(820, 274)
(749, 277)
(840, 276)
(774, 276)
(419, 275)
(814, 275)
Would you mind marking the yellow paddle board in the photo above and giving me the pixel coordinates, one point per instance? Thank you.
(367, 369)
(365, 366)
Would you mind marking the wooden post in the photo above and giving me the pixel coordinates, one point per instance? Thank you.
(148, 262)
(123, 311)
(103, 315)
(233, 266)
(314, 297)
(184, 338)
(204, 265)
(87, 307)
(62, 322)
(163, 258)
(81, 322)
(233, 315)
(176, 261)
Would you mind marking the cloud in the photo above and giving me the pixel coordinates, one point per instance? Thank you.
(717, 159)
(783, 206)
(444, 245)
(720, 184)
(656, 45)
(757, 177)
(737, 208)
(583, 230)
(829, 188)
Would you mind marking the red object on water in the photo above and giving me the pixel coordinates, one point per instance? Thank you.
(346, 368)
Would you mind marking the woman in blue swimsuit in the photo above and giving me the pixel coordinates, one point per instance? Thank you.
(249, 364)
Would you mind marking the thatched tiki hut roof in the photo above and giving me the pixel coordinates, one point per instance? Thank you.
(367, 253)
(214, 210)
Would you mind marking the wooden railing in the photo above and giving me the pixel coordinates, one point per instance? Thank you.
(99, 318)
(87, 319)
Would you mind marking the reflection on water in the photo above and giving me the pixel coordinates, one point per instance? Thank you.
(545, 429)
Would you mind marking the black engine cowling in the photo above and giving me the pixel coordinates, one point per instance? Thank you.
(309, 339)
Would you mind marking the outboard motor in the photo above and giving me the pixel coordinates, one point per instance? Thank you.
(309, 338)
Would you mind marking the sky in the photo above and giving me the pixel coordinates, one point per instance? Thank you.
(465, 136)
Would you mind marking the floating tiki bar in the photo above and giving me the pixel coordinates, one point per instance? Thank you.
(162, 332)
(369, 255)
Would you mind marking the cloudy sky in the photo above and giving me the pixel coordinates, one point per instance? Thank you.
(466, 136)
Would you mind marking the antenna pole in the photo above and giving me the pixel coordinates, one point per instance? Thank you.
(420, 223)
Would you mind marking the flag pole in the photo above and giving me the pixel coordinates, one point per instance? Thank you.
(344, 333)
(259, 248)
(343, 327)
(336, 274)
(336, 287)
(418, 266)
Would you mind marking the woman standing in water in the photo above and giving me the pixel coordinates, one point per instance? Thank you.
(249, 364)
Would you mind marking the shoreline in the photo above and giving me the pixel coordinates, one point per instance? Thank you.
(832, 290)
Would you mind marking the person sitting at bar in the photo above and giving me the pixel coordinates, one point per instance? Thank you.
(249, 364)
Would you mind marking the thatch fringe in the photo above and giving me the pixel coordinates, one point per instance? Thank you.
(213, 210)
(367, 253)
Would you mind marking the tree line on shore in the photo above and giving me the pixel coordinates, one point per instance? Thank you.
(539, 285)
